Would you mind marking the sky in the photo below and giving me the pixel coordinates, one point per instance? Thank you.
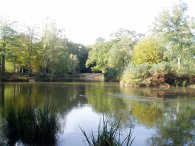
(86, 20)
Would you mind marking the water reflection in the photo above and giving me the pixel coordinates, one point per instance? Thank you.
(177, 126)
(172, 120)
(157, 116)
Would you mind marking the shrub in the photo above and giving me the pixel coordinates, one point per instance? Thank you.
(163, 73)
(162, 68)
(111, 74)
(136, 74)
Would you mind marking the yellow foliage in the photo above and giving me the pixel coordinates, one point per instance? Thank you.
(147, 51)
(9, 66)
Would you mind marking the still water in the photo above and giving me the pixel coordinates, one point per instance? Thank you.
(156, 116)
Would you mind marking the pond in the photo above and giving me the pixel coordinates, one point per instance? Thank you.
(156, 116)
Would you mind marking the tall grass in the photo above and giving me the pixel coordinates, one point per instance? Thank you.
(31, 125)
(108, 134)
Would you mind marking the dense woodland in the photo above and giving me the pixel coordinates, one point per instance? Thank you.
(162, 57)
(48, 52)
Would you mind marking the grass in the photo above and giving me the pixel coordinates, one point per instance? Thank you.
(108, 134)
(31, 125)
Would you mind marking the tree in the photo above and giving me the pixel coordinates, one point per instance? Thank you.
(122, 48)
(16, 53)
(98, 56)
(30, 35)
(126, 34)
(116, 53)
(49, 40)
(175, 29)
(100, 40)
(81, 52)
(120, 53)
(147, 51)
(7, 34)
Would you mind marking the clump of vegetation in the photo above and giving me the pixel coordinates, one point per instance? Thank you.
(31, 125)
(163, 73)
(148, 50)
(111, 74)
(108, 134)
(136, 74)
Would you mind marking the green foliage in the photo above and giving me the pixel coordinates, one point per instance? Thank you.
(163, 68)
(31, 125)
(170, 56)
(111, 74)
(82, 54)
(150, 74)
(115, 54)
(175, 28)
(120, 53)
(108, 134)
(98, 55)
(50, 53)
(141, 71)
(9, 67)
(147, 51)
(7, 36)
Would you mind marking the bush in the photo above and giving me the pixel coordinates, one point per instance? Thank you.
(31, 125)
(162, 68)
(163, 73)
(136, 74)
(111, 74)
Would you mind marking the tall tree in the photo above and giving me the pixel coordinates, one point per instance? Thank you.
(49, 40)
(7, 34)
(114, 54)
(30, 34)
(148, 51)
(176, 30)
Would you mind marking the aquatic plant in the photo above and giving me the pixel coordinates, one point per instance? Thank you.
(108, 134)
(31, 125)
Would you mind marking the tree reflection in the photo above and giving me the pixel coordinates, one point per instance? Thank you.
(62, 98)
(20, 95)
(173, 119)
(147, 113)
(177, 127)
(103, 102)
(156, 93)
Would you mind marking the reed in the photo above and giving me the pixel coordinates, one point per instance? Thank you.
(108, 134)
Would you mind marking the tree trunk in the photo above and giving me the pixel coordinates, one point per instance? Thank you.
(178, 63)
(1, 64)
(3, 60)
(29, 63)
(30, 57)
(45, 65)
(15, 64)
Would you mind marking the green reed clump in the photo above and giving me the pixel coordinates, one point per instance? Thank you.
(108, 134)
(31, 125)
